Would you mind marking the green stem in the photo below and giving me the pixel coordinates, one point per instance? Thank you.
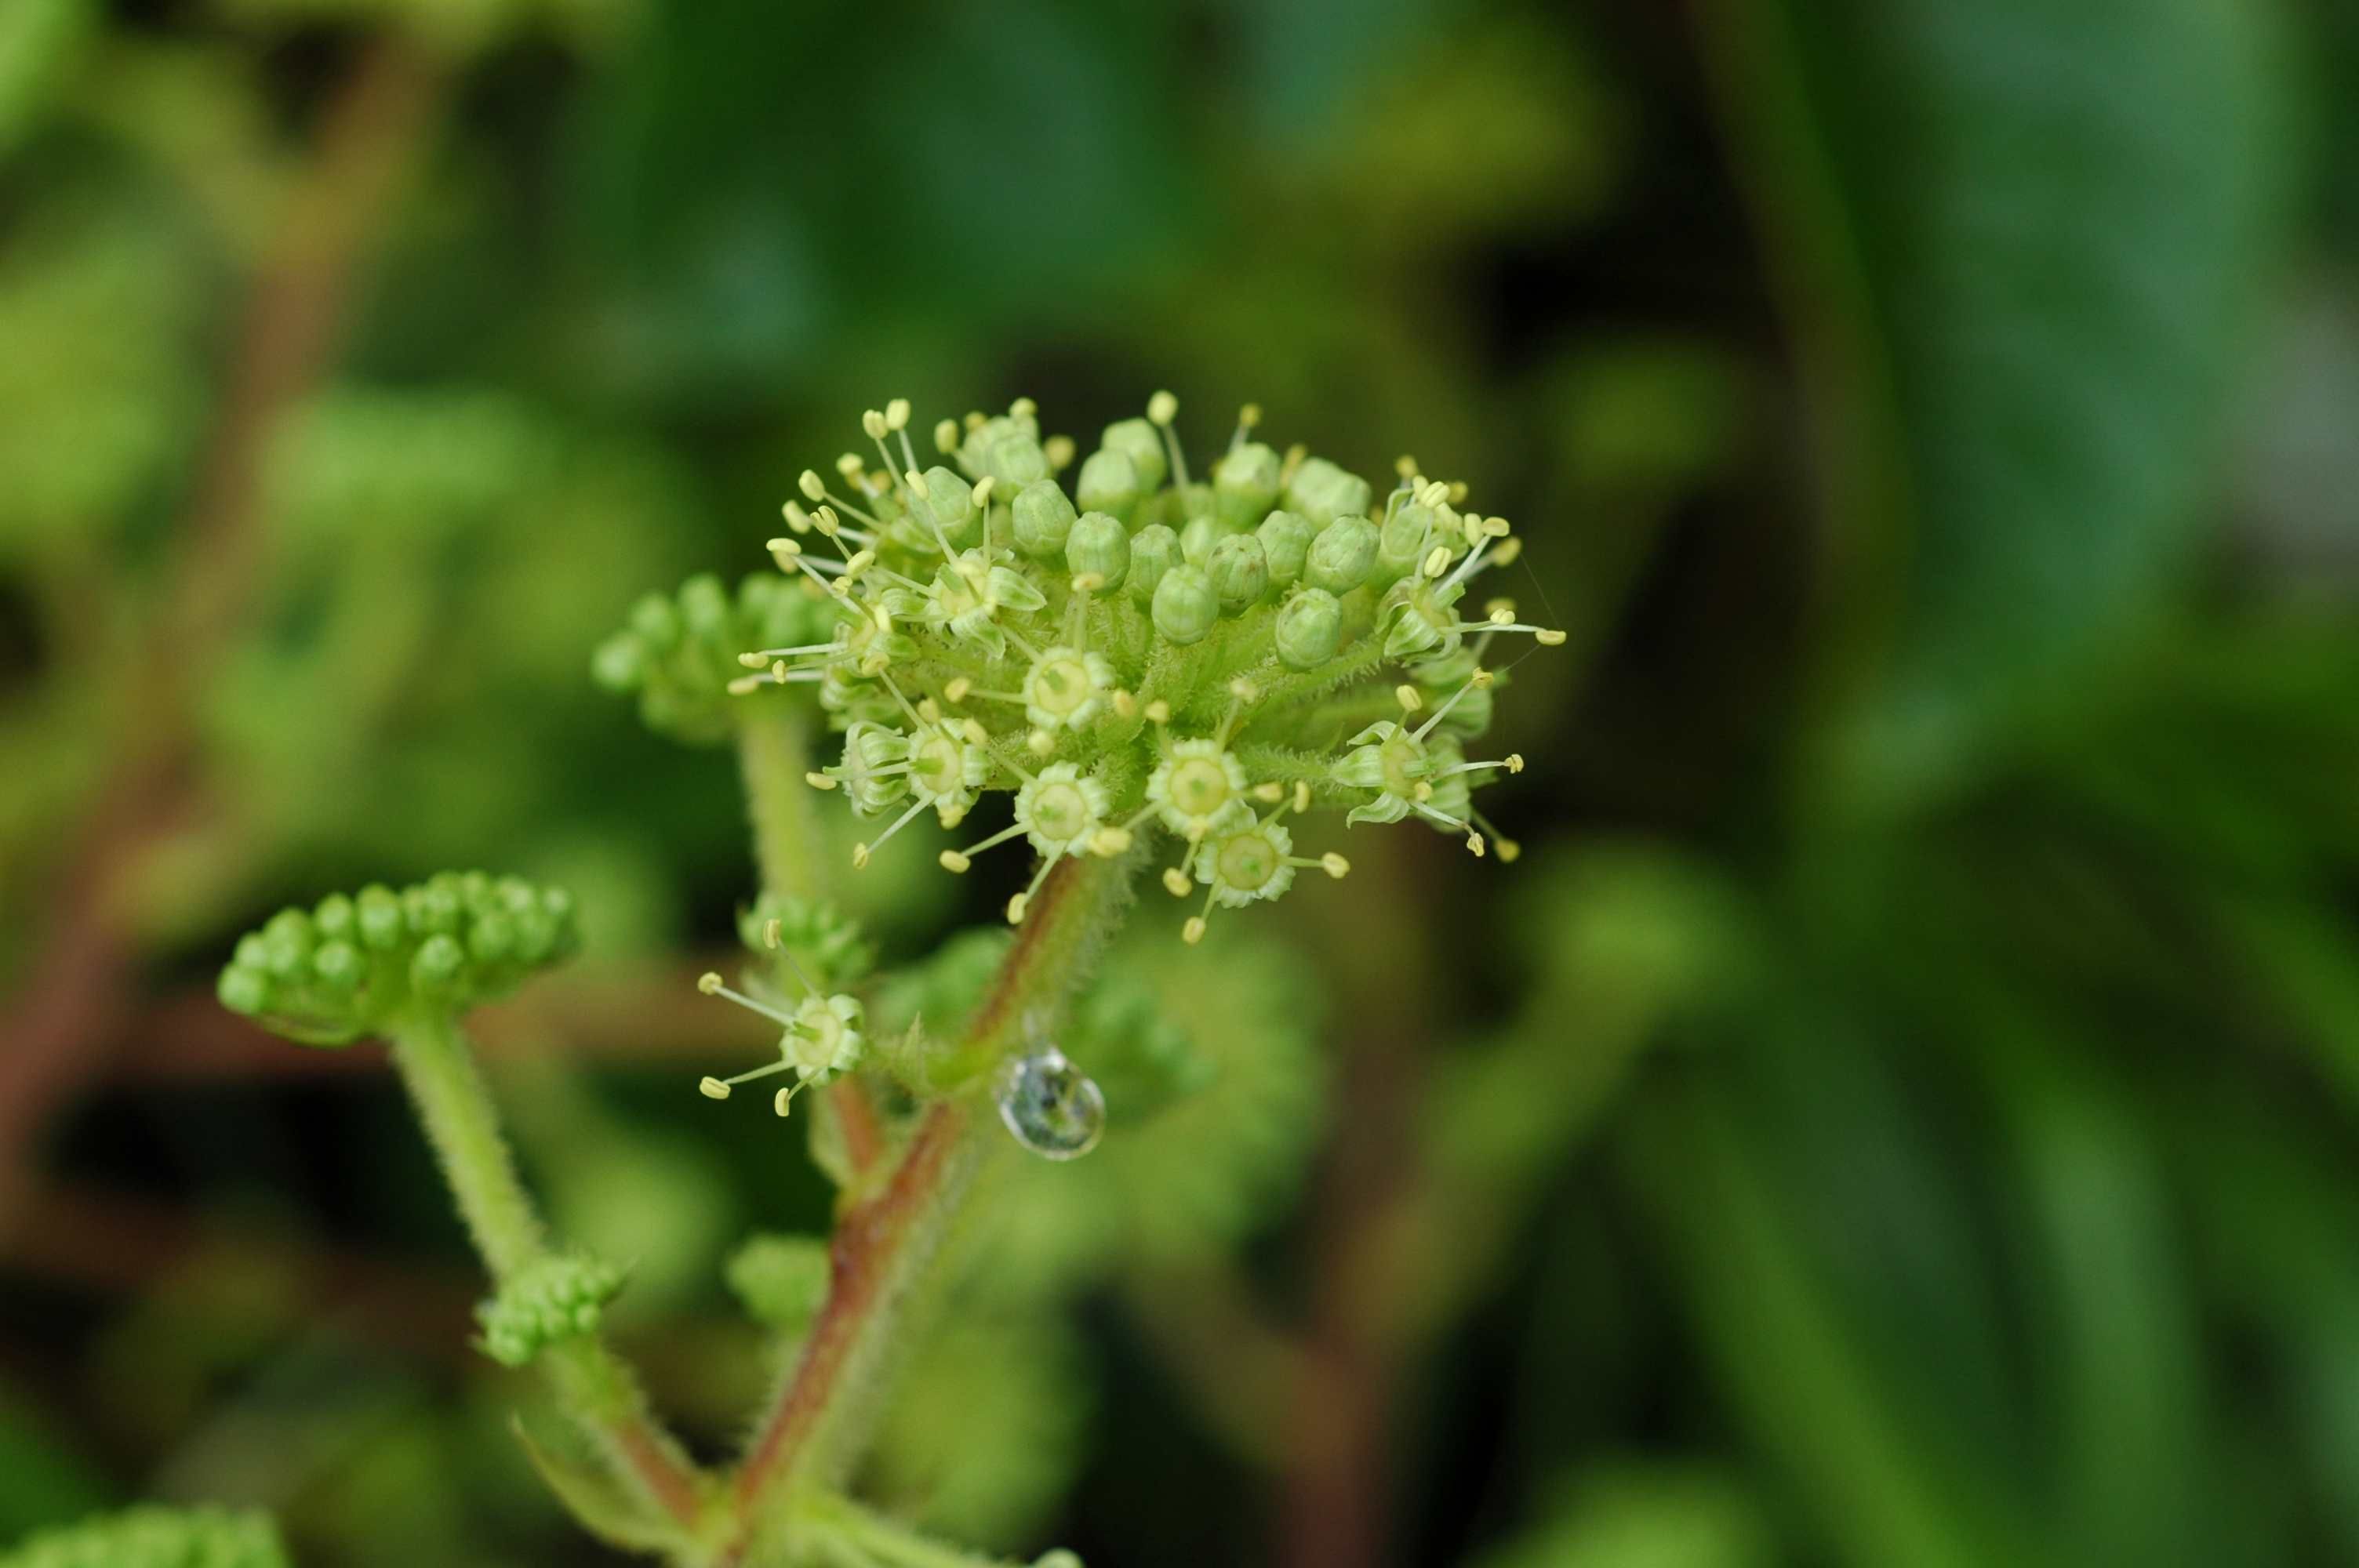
(773, 748)
(596, 1388)
(881, 1246)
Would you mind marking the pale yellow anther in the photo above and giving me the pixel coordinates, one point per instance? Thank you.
(797, 518)
(1495, 526)
(1109, 841)
(1505, 554)
(976, 735)
(778, 671)
(1334, 865)
(896, 414)
(1245, 690)
(860, 857)
(1296, 456)
(713, 1089)
(1407, 697)
(1433, 492)
(917, 483)
(811, 486)
(974, 419)
(818, 781)
(1423, 791)
(752, 661)
(782, 546)
(957, 689)
(1302, 794)
(1405, 466)
(1175, 882)
(953, 819)
(708, 982)
(1508, 849)
(1088, 583)
(929, 711)
(1193, 932)
(1514, 762)
(824, 520)
(1475, 844)
(1480, 677)
(1016, 907)
(1162, 408)
(860, 562)
(982, 489)
(1471, 525)
(783, 1102)
(744, 686)
(954, 863)
(1158, 711)
(1269, 793)
(1058, 450)
(1125, 705)
(1457, 491)
(854, 467)
(1549, 637)
(1437, 560)
(1040, 743)
(1501, 616)
(1249, 416)
(946, 434)
(872, 420)
(1023, 408)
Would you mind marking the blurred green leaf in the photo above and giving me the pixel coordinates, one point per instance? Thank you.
(2025, 242)
(40, 41)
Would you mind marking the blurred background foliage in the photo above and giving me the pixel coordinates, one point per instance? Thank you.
(1899, 1110)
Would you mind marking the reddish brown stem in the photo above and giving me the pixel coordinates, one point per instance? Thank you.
(76, 988)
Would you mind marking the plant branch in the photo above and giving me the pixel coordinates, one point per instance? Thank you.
(774, 752)
(592, 1382)
(882, 1244)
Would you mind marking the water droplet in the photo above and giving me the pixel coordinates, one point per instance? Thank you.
(1050, 1106)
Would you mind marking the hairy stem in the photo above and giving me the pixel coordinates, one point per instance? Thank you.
(773, 748)
(593, 1383)
(882, 1244)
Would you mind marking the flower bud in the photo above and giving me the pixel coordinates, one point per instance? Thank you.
(1108, 484)
(1238, 570)
(1286, 544)
(1098, 546)
(1198, 537)
(1186, 605)
(1043, 518)
(1342, 556)
(1322, 492)
(949, 500)
(1407, 534)
(1014, 460)
(1154, 550)
(1244, 484)
(1310, 629)
(1142, 443)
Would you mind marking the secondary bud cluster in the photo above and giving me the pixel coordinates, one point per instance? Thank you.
(1142, 649)
(678, 653)
(346, 968)
(557, 1298)
(152, 1537)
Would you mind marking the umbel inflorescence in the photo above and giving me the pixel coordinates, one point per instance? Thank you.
(1149, 652)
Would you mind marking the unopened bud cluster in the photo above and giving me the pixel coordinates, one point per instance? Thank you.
(351, 965)
(678, 653)
(1125, 647)
(555, 1299)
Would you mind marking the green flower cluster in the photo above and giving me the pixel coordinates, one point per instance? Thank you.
(350, 967)
(679, 653)
(555, 1299)
(1146, 652)
(828, 944)
(150, 1537)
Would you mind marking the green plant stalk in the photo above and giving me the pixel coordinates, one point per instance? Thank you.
(596, 1388)
(881, 1246)
(774, 750)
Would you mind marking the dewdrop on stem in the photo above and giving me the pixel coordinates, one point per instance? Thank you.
(1049, 1105)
